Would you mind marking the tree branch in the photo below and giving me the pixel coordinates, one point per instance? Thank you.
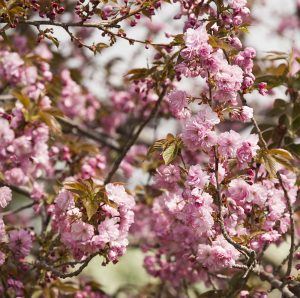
(21, 190)
(254, 122)
(275, 283)
(99, 26)
(43, 265)
(89, 134)
(288, 201)
(18, 209)
(249, 252)
(221, 218)
(290, 209)
(135, 136)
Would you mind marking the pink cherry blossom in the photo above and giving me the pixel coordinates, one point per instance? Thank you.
(178, 104)
(5, 196)
(228, 143)
(20, 242)
(197, 177)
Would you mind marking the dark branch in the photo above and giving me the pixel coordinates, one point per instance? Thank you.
(89, 134)
(292, 224)
(43, 265)
(135, 136)
(21, 190)
(18, 209)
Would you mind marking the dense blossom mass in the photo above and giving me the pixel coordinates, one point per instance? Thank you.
(87, 173)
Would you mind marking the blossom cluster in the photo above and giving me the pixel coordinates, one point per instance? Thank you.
(185, 235)
(24, 151)
(30, 153)
(186, 241)
(215, 196)
(15, 245)
(106, 231)
(135, 99)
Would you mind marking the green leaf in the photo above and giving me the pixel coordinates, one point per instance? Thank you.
(65, 287)
(70, 185)
(271, 158)
(271, 80)
(170, 153)
(78, 192)
(88, 148)
(219, 44)
(276, 55)
(53, 39)
(140, 73)
(102, 197)
(178, 40)
(99, 47)
(280, 70)
(170, 146)
(51, 122)
(270, 165)
(287, 164)
(156, 146)
(91, 206)
(24, 99)
(245, 239)
(281, 152)
(54, 112)
(49, 293)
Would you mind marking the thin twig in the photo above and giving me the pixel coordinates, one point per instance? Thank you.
(271, 279)
(275, 283)
(43, 265)
(89, 134)
(18, 209)
(278, 269)
(71, 263)
(254, 122)
(135, 136)
(21, 190)
(292, 224)
(99, 26)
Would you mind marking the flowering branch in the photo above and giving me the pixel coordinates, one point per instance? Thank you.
(292, 225)
(99, 26)
(77, 128)
(288, 201)
(249, 252)
(211, 206)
